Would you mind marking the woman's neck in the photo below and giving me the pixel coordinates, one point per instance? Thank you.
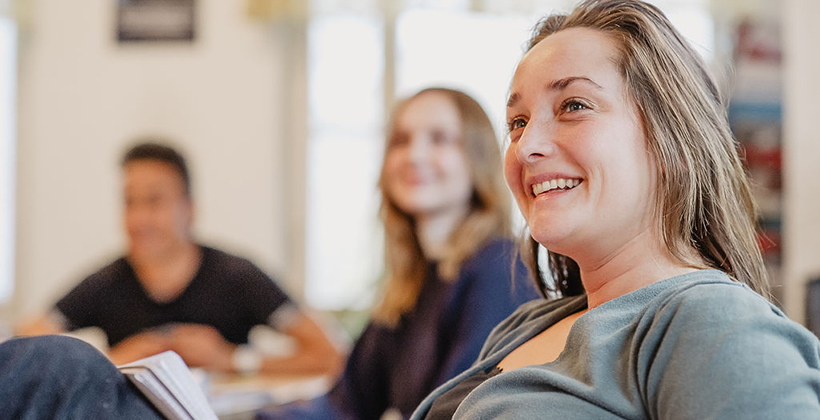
(636, 264)
(434, 231)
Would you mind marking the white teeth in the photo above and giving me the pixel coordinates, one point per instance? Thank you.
(553, 184)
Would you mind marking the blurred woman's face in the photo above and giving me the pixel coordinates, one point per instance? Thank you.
(425, 170)
(578, 163)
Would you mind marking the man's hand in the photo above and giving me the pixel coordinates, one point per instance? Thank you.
(202, 346)
(138, 346)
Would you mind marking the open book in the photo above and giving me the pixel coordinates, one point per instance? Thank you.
(169, 385)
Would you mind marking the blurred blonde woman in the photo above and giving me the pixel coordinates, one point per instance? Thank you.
(448, 256)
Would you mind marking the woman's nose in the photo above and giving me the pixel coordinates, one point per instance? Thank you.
(536, 142)
(418, 148)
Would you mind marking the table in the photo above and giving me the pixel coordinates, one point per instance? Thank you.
(236, 397)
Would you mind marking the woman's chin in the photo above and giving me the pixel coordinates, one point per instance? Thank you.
(554, 239)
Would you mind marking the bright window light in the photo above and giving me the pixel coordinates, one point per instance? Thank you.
(345, 116)
(8, 82)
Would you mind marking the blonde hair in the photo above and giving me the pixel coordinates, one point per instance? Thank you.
(488, 215)
(704, 203)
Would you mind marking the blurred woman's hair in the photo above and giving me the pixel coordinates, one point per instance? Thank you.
(488, 216)
(705, 210)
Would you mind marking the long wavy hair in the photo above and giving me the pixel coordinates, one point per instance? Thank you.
(704, 202)
(488, 216)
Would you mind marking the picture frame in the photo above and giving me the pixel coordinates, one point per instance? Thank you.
(156, 20)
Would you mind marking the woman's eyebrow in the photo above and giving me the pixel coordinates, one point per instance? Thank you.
(562, 84)
(556, 85)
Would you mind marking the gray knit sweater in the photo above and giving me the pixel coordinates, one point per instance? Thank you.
(696, 346)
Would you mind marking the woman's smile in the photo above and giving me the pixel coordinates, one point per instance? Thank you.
(555, 185)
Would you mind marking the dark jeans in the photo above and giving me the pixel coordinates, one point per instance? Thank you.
(56, 377)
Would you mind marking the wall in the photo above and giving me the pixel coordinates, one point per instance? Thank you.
(801, 148)
(83, 97)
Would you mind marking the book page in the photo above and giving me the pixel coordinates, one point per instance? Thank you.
(168, 383)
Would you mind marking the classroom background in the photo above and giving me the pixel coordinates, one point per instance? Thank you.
(279, 106)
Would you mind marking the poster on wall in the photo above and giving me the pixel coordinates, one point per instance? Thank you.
(155, 20)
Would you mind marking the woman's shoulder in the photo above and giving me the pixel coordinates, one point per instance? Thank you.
(707, 329)
(708, 291)
(709, 305)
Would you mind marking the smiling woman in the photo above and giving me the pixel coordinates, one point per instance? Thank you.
(581, 128)
(425, 170)
(622, 163)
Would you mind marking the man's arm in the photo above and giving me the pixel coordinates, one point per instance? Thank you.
(128, 350)
(138, 346)
(51, 323)
(314, 353)
(203, 346)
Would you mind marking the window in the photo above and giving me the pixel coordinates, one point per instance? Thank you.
(473, 52)
(8, 70)
(345, 117)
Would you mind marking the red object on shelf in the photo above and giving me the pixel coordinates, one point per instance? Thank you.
(772, 158)
(769, 242)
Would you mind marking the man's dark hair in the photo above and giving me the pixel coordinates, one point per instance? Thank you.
(160, 152)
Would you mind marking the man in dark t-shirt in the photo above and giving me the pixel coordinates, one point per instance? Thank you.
(227, 292)
(170, 293)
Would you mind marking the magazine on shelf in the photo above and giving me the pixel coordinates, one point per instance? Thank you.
(168, 383)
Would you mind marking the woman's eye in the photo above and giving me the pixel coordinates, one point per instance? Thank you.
(516, 123)
(573, 105)
(398, 140)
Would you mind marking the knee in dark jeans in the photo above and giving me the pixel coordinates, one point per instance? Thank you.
(57, 377)
(43, 356)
